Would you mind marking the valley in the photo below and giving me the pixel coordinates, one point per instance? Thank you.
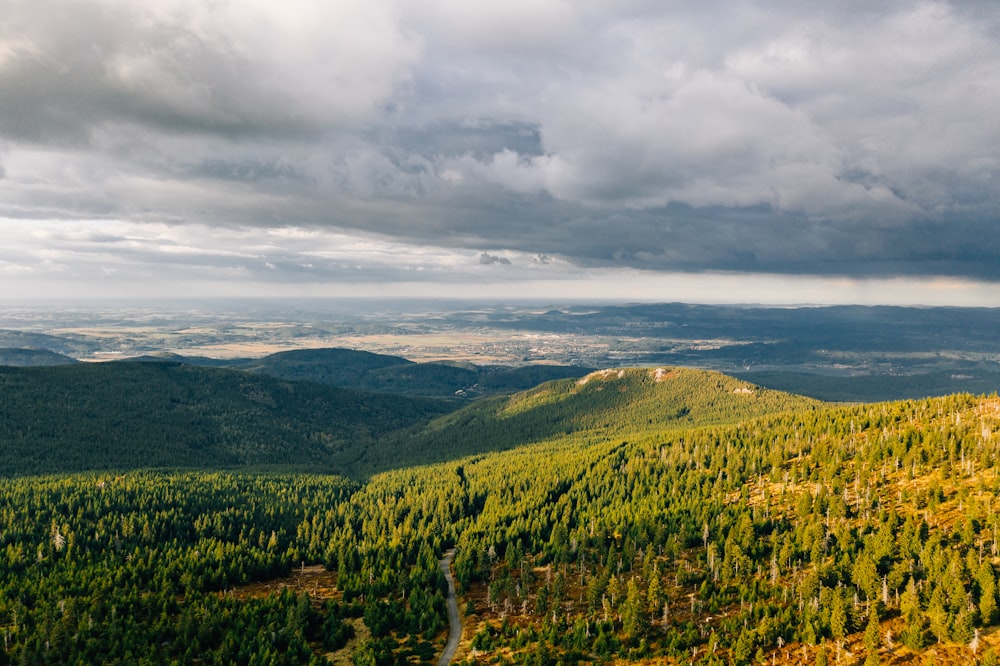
(295, 508)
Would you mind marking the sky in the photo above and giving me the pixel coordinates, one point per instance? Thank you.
(754, 151)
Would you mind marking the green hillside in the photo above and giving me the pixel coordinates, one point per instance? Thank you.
(335, 366)
(367, 371)
(70, 344)
(864, 534)
(31, 357)
(156, 414)
(607, 403)
(973, 378)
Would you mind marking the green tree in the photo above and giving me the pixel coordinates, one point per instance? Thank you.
(937, 615)
(865, 576)
(873, 636)
(655, 596)
(744, 648)
(635, 621)
(838, 616)
(822, 656)
(913, 630)
(986, 578)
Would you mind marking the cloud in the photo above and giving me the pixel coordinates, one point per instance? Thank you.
(487, 259)
(252, 70)
(849, 139)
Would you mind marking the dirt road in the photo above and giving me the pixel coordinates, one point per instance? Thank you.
(454, 621)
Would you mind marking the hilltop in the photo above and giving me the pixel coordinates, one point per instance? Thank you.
(335, 365)
(624, 402)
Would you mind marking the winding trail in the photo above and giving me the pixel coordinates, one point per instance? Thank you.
(454, 621)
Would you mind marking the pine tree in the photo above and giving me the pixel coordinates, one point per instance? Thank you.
(822, 656)
(838, 616)
(937, 615)
(987, 594)
(873, 637)
(744, 647)
(913, 632)
(654, 594)
(962, 627)
(634, 620)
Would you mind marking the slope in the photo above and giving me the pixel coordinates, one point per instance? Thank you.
(336, 366)
(735, 532)
(31, 357)
(131, 415)
(367, 371)
(972, 378)
(626, 402)
(838, 531)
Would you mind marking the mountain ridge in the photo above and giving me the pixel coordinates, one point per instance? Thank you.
(156, 413)
(618, 402)
(120, 415)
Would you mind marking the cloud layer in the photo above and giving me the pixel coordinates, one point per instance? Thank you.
(856, 139)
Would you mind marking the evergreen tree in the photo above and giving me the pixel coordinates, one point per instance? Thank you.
(838, 616)
(986, 578)
(913, 631)
(635, 621)
(873, 637)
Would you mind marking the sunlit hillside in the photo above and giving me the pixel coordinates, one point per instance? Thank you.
(649, 515)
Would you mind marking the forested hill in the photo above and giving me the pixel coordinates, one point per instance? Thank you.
(127, 415)
(132, 415)
(662, 516)
(355, 369)
(32, 357)
(334, 365)
(860, 534)
(620, 403)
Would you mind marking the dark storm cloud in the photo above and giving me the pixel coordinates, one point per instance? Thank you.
(487, 259)
(853, 138)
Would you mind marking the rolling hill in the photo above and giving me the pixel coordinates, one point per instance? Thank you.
(160, 414)
(653, 516)
(335, 365)
(18, 357)
(624, 403)
(367, 371)
(974, 378)
(350, 369)
(155, 413)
